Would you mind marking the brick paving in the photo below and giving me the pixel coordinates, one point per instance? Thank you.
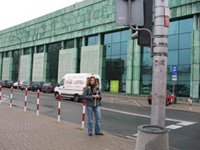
(25, 131)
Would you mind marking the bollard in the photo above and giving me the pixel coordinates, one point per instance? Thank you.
(59, 106)
(191, 102)
(83, 115)
(25, 100)
(0, 95)
(38, 102)
(11, 96)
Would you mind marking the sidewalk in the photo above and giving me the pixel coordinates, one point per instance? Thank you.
(142, 101)
(25, 131)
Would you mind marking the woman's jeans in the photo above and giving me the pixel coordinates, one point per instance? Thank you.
(97, 112)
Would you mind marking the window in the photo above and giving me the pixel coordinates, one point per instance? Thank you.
(15, 65)
(92, 40)
(52, 61)
(7, 54)
(69, 44)
(40, 49)
(26, 51)
(115, 55)
(62, 82)
(179, 54)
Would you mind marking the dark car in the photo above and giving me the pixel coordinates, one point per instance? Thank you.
(48, 87)
(2, 83)
(169, 98)
(36, 86)
(26, 84)
(9, 83)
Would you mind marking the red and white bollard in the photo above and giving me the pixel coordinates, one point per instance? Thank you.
(59, 106)
(83, 115)
(191, 102)
(25, 100)
(0, 95)
(11, 96)
(38, 102)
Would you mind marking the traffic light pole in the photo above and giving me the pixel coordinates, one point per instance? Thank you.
(160, 54)
(155, 135)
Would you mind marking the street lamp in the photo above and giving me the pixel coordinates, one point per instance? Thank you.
(19, 58)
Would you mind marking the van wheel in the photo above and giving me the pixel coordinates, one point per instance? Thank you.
(76, 98)
(57, 95)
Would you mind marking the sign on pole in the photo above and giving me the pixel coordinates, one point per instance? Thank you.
(137, 13)
(174, 73)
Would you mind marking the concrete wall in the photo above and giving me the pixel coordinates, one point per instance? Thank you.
(7, 68)
(92, 59)
(1, 66)
(25, 68)
(195, 61)
(39, 67)
(67, 62)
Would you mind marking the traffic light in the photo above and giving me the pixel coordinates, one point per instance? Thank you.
(144, 38)
(140, 16)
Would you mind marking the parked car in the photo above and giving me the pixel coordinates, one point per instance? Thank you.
(2, 83)
(48, 87)
(36, 86)
(9, 83)
(72, 85)
(15, 85)
(26, 84)
(169, 97)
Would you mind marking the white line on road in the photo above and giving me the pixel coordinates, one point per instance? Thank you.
(173, 127)
(145, 116)
(186, 123)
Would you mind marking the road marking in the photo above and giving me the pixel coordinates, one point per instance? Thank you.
(173, 127)
(186, 123)
(145, 116)
(135, 135)
(138, 104)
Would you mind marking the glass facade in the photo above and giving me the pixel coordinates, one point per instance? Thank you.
(52, 61)
(7, 54)
(69, 44)
(15, 65)
(79, 45)
(40, 49)
(92, 40)
(27, 51)
(115, 55)
(179, 54)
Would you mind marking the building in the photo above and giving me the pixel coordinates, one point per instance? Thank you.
(84, 38)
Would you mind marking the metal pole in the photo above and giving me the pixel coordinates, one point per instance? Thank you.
(19, 59)
(160, 54)
(173, 90)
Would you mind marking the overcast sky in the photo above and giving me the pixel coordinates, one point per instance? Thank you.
(14, 12)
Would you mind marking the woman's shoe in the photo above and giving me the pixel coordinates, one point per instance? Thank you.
(89, 134)
(99, 134)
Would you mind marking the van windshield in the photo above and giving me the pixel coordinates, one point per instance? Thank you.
(62, 82)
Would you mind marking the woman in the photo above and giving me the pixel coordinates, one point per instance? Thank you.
(92, 95)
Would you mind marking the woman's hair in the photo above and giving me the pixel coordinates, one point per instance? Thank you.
(95, 81)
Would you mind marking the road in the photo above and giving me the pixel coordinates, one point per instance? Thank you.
(120, 119)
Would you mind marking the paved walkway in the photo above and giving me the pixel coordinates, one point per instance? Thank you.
(25, 131)
(142, 101)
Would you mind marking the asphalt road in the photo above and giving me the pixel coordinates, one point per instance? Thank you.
(118, 119)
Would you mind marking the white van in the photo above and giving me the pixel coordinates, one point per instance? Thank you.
(72, 85)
